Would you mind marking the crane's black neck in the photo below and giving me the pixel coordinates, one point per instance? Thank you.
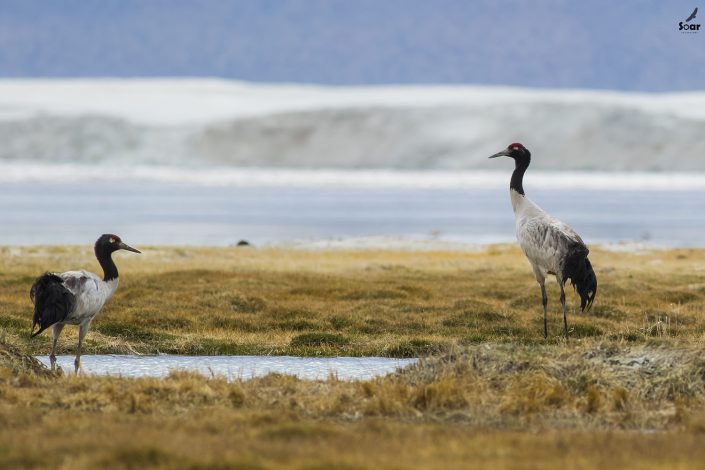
(521, 164)
(105, 259)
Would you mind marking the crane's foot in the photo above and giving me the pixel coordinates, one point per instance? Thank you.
(56, 368)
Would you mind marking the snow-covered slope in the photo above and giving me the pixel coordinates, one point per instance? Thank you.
(208, 123)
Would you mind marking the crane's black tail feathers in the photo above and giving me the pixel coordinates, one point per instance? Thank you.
(578, 269)
(52, 301)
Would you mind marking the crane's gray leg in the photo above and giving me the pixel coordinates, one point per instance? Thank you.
(541, 279)
(565, 318)
(83, 329)
(55, 332)
(544, 300)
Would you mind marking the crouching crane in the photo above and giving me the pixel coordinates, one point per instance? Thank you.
(75, 297)
(551, 246)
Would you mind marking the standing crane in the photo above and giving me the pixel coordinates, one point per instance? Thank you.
(75, 297)
(551, 246)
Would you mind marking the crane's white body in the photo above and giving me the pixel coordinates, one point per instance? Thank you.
(544, 239)
(90, 292)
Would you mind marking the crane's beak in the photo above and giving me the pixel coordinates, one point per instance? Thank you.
(124, 246)
(503, 153)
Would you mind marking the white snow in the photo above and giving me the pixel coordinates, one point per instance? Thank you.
(212, 123)
(188, 101)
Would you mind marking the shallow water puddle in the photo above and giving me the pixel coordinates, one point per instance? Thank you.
(234, 367)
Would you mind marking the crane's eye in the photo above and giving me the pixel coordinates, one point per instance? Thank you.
(112, 240)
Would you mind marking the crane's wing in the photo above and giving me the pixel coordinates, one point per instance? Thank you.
(545, 239)
(79, 282)
(692, 15)
(89, 291)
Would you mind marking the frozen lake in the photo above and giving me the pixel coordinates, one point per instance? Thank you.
(234, 367)
(268, 209)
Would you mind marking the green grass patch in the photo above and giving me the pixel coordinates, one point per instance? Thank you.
(218, 347)
(680, 296)
(586, 330)
(129, 332)
(416, 348)
(340, 322)
(15, 323)
(247, 304)
(374, 295)
(318, 339)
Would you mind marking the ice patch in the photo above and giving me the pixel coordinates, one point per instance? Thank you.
(11, 172)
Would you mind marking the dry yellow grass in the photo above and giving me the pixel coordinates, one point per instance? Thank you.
(627, 390)
(393, 303)
(485, 406)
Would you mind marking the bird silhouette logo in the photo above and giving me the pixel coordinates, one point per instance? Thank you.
(688, 27)
(692, 15)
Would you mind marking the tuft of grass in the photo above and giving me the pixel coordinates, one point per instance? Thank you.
(298, 325)
(593, 399)
(680, 296)
(448, 392)
(340, 322)
(130, 332)
(535, 392)
(297, 431)
(620, 399)
(217, 347)
(141, 456)
(374, 295)
(247, 304)
(319, 339)
(282, 314)
(583, 330)
(469, 319)
(607, 311)
(416, 348)
(229, 322)
(13, 323)
(375, 326)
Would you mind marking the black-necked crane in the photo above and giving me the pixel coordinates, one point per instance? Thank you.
(75, 297)
(551, 246)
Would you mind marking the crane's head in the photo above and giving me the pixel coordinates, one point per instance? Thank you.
(109, 243)
(518, 152)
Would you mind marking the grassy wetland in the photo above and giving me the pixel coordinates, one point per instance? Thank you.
(627, 388)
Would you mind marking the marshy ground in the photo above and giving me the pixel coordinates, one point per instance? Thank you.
(627, 389)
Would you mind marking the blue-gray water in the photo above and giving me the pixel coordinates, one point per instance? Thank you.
(169, 213)
(235, 367)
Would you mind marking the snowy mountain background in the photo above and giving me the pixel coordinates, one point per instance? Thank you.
(217, 123)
